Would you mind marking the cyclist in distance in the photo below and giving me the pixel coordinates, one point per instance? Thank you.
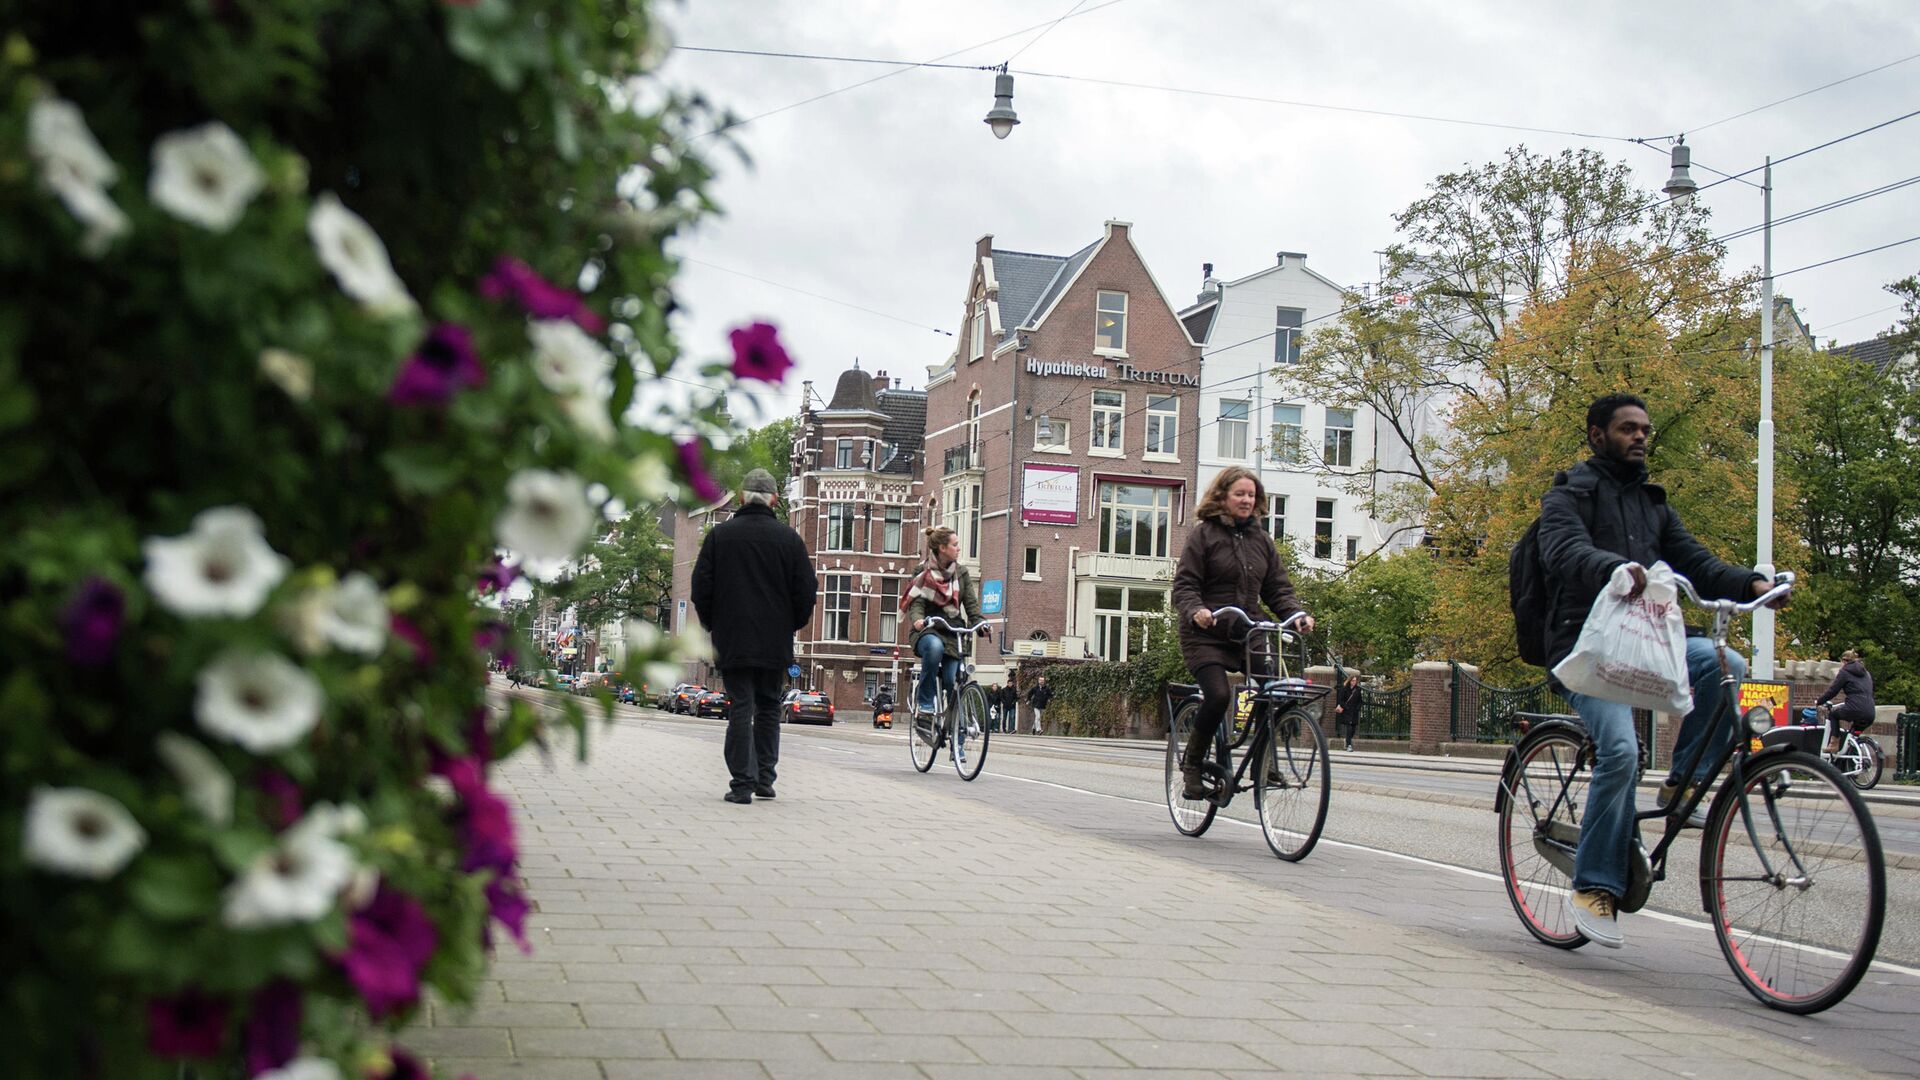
(945, 588)
(1228, 561)
(1854, 686)
(1599, 515)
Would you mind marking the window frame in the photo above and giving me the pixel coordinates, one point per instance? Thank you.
(1163, 419)
(1128, 615)
(1062, 445)
(1286, 440)
(843, 452)
(893, 530)
(1160, 511)
(1276, 516)
(1323, 518)
(1286, 345)
(1337, 443)
(835, 518)
(830, 596)
(1243, 427)
(1100, 308)
(1115, 416)
(1030, 564)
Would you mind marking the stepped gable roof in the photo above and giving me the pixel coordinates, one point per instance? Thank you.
(906, 428)
(1064, 274)
(1876, 351)
(1022, 277)
(854, 391)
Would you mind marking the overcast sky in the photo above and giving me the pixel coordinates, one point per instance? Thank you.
(875, 196)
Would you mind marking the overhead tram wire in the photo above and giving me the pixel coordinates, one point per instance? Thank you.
(1804, 93)
(1078, 4)
(815, 295)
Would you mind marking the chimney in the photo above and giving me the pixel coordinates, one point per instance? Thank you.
(1209, 285)
(1282, 256)
(879, 381)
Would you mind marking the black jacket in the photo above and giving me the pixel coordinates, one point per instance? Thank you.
(1602, 513)
(1856, 685)
(753, 587)
(1348, 701)
(1040, 695)
(1227, 564)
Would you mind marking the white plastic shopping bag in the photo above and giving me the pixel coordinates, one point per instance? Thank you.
(1633, 651)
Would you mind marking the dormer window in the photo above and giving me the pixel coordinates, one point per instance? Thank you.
(1110, 322)
(979, 332)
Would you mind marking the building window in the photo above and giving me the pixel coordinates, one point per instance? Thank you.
(1123, 620)
(973, 526)
(1353, 548)
(1163, 424)
(979, 333)
(843, 453)
(839, 527)
(1031, 568)
(1323, 529)
(837, 622)
(1277, 516)
(871, 687)
(1109, 408)
(973, 430)
(889, 629)
(1286, 335)
(1052, 435)
(963, 517)
(1110, 321)
(1286, 434)
(1339, 437)
(1233, 430)
(891, 530)
(1135, 519)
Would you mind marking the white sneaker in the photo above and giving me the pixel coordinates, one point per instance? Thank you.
(1594, 916)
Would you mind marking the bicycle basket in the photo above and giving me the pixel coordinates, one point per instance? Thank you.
(1292, 691)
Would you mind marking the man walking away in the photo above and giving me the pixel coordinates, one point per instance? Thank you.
(1598, 516)
(1038, 698)
(753, 587)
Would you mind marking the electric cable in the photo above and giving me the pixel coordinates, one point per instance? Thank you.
(1036, 38)
(815, 295)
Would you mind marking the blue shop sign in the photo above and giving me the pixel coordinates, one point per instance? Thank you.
(991, 595)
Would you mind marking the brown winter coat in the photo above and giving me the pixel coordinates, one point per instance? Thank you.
(1225, 564)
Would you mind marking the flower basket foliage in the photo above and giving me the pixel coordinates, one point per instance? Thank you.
(318, 318)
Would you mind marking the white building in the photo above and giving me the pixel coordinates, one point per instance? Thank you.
(1251, 329)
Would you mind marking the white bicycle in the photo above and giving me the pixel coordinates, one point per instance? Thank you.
(959, 721)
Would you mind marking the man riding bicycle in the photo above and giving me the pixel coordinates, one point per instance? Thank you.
(1598, 516)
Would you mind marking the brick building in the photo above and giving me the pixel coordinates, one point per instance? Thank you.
(1061, 446)
(854, 494)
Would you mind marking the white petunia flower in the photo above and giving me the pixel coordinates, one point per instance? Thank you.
(652, 479)
(660, 673)
(640, 639)
(76, 170)
(357, 616)
(263, 702)
(208, 785)
(80, 832)
(306, 1068)
(223, 566)
(204, 176)
(547, 515)
(352, 252)
(92, 207)
(568, 361)
(299, 879)
(588, 414)
(289, 371)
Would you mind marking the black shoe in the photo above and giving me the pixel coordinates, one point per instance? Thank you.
(739, 796)
(1195, 787)
(765, 791)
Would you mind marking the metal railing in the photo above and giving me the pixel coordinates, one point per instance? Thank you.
(1386, 714)
(1482, 713)
(958, 459)
(1906, 746)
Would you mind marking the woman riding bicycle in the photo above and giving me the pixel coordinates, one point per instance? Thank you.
(943, 587)
(1229, 560)
(1854, 684)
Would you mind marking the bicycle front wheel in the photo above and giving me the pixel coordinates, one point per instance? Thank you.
(1292, 783)
(967, 737)
(1190, 816)
(1872, 764)
(923, 739)
(1539, 830)
(1795, 882)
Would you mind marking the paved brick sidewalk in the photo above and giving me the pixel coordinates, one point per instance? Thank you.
(874, 926)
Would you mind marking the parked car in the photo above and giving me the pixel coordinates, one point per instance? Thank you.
(712, 703)
(627, 695)
(806, 707)
(681, 698)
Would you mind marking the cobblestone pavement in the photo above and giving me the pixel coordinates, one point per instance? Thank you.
(876, 923)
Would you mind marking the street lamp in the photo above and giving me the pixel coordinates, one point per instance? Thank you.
(1001, 118)
(1680, 185)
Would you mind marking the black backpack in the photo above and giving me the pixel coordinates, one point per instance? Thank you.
(1528, 593)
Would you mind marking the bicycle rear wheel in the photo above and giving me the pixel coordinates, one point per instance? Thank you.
(1539, 829)
(967, 737)
(923, 739)
(1797, 901)
(1190, 816)
(1872, 764)
(1293, 787)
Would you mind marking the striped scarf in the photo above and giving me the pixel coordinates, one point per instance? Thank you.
(939, 589)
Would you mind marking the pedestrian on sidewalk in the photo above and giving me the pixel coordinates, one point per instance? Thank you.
(1038, 698)
(944, 587)
(1009, 707)
(1346, 708)
(753, 588)
(1229, 561)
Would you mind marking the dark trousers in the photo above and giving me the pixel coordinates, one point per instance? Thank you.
(753, 725)
(1349, 721)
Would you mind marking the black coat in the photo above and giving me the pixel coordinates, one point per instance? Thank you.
(1039, 695)
(1348, 702)
(1227, 565)
(753, 587)
(1602, 513)
(1856, 685)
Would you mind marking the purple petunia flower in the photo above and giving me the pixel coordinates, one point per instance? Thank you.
(479, 737)
(404, 629)
(282, 797)
(507, 906)
(272, 1035)
(187, 1025)
(441, 367)
(92, 621)
(408, 1067)
(514, 280)
(758, 354)
(495, 577)
(695, 465)
(388, 944)
(487, 831)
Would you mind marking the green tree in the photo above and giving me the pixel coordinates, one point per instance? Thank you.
(1369, 615)
(626, 575)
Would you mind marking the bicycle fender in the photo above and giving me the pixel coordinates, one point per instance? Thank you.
(1512, 762)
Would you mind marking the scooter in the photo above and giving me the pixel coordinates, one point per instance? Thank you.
(883, 717)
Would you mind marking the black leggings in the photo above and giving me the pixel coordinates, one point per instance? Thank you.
(1215, 695)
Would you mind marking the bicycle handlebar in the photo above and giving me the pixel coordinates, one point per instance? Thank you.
(1259, 624)
(982, 625)
(1783, 584)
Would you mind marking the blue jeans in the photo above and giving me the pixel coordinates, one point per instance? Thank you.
(934, 662)
(1607, 826)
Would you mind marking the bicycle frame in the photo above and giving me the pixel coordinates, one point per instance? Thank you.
(1261, 652)
(942, 706)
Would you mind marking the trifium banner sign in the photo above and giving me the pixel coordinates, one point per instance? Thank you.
(1050, 494)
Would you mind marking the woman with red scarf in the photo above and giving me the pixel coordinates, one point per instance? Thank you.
(945, 588)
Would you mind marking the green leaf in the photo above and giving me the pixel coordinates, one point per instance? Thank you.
(237, 848)
(174, 888)
(423, 470)
(131, 945)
